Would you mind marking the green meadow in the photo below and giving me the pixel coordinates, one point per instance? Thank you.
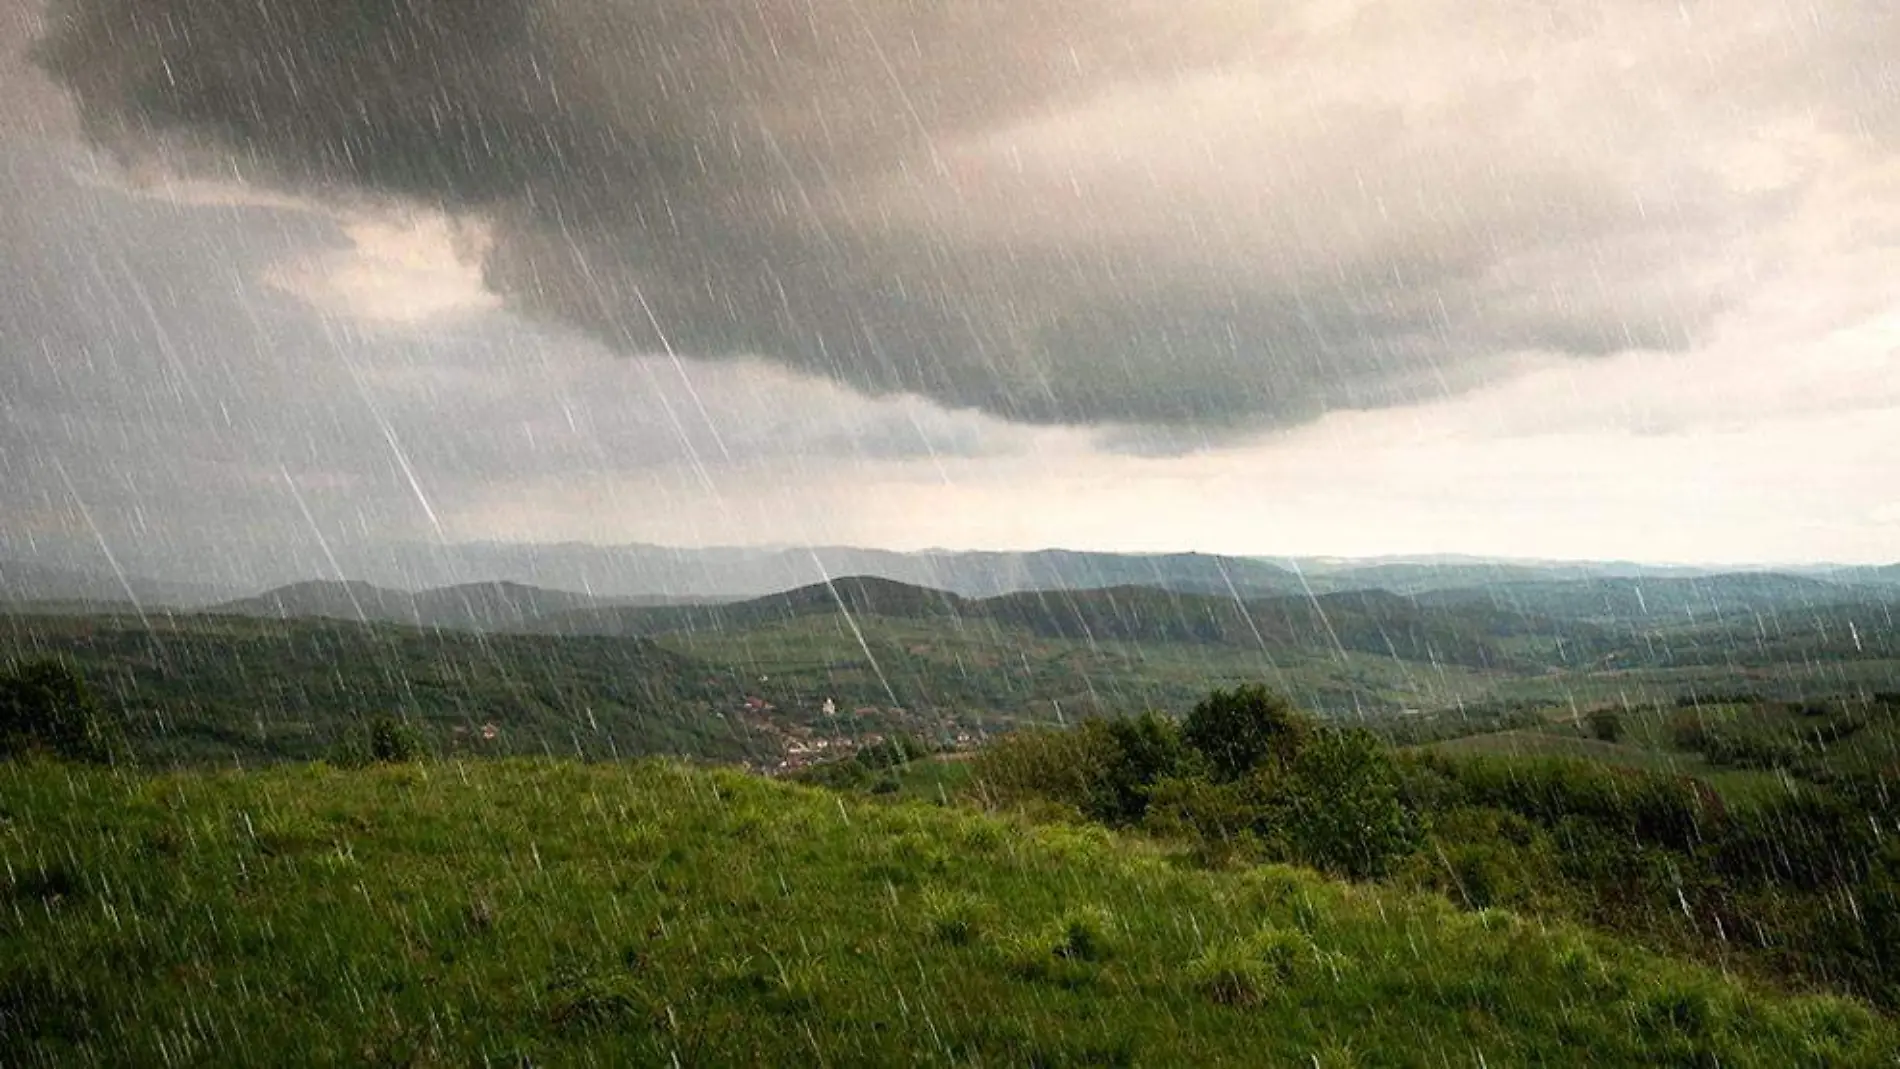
(650, 913)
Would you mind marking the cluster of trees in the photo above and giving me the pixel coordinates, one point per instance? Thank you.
(1804, 886)
(1243, 775)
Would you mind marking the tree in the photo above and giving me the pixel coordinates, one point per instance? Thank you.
(1238, 730)
(46, 707)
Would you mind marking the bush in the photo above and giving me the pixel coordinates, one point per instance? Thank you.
(1486, 858)
(1606, 725)
(392, 741)
(1809, 840)
(383, 740)
(1341, 798)
(1105, 769)
(1083, 935)
(893, 751)
(1138, 753)
(1066, 953)
(1237, 730)
(1336, 807)
(45, 707)
(1218, 818)
(1044, 764)
(954, 917)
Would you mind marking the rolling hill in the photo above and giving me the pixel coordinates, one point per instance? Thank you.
(326, 600)
(1372, 622)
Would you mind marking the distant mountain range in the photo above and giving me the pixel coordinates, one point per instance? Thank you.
(492, 585)
(1509, 626)
(1367, 621)
(730, 573)
(1699, 597)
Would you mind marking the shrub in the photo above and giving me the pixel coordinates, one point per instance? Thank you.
(1650, 807)
(383, 740)
(893, 751)
(1231, 976)
(1809, 839)
(45, 707)
(1106, 769)
(1237, 730)
(1066, 953)
(1341, 800)
(392, 740)
(1606, 725)
(1138, 753)
(1484, 857)
(1044, 764)
(1218, 818)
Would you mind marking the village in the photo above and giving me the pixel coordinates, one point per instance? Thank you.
(836, 735)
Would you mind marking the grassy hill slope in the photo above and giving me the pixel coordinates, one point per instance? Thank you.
(649, 914)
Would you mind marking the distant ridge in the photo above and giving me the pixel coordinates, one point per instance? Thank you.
(497, 606)
(1656, 597)
(738, 573)
(23, 582)
(728, 573)
(1373, 622)
(327, 599)
(495, 586)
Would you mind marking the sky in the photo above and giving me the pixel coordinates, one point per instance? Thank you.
(1326, 277)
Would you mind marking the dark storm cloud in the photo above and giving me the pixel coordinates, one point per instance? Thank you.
(1191, 213)
(841, 187)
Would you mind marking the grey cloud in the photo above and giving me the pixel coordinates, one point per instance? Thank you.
(153, 384)
(1194, 214)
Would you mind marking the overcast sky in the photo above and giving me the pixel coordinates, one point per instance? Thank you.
(1324, 277)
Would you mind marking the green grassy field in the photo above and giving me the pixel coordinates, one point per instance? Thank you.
(1013, 674)
(1736, 785)
(559, 913)
(1780, 743)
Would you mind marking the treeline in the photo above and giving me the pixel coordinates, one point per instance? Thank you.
(1804, 887)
